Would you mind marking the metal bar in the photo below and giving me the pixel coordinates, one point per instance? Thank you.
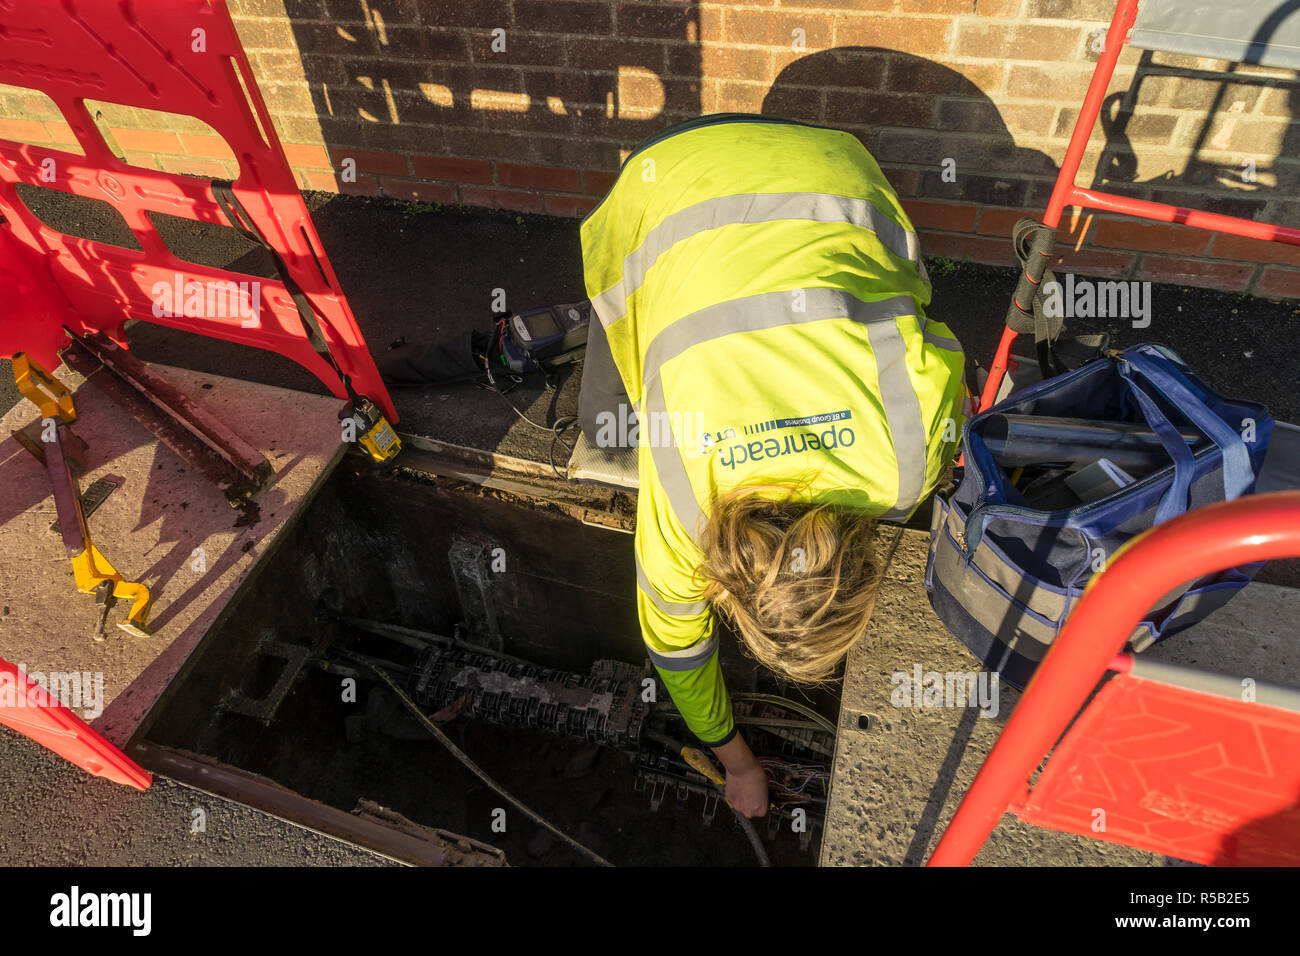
(1120, 24)
(67, 501)
(1253, 528)
(1196, 218)
(204, 441)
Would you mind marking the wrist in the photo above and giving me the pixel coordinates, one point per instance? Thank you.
(736, 756)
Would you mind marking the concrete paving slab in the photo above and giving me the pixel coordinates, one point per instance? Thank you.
(900, 773)
(165, 525)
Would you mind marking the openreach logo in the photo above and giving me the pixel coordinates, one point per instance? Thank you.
(208, 300)
(922, 688)
(76, 909)
(823, 432)
(1086, 299)
(75, 690)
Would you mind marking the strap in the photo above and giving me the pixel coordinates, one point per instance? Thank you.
(1238, 473)
(1034, 243)
(243, 223)
(1174, 502)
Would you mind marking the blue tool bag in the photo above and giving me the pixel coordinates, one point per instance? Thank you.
(1004, 572)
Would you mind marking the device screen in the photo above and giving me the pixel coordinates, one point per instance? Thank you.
(541, 325)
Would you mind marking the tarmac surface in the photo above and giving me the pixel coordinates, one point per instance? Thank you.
(418, 273)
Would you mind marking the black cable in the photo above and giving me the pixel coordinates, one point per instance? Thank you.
(478, 771)
(557, 430)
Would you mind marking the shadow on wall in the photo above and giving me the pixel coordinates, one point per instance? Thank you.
(1221, 146)
(547, 84)
(910, 128)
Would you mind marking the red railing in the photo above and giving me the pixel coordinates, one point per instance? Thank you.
(1066, 193)
(1254, 528)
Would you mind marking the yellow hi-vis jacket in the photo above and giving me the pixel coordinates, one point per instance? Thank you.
(763, 295)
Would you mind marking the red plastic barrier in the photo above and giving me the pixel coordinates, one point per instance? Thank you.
(1180, 772)
(26, 707)
(177, 56)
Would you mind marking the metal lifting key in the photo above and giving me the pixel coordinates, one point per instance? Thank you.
(92, 571)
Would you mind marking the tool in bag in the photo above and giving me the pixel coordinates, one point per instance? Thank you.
(371, 429)
(1003, 575)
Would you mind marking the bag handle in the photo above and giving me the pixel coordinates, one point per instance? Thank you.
(1174, 501)
(1238, 474)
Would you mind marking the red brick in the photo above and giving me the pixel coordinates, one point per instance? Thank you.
(364, 186)
(1064, 83)
(1254, 250)
(722, 62)
(1130, 233)
(664, 21)
(143, 160)
(538, 177)
(452, 168)
(768, 28)
(562, 16)
(855, 6)
(1198, 272)
(207, 168)
(597, 182)
(921, 36)
(995, 221)
(206, 147)
(23, 131)
(62, 134)
(733, 97)
(312, 157)
(368, 161)
(502, 199)
(325, 182)
(147, 141)
(951, 217)
(958, 247)
(1093, 262)
(572, 206)
(993, 40)
(599, 54)
(1278, 283)
(418, 191)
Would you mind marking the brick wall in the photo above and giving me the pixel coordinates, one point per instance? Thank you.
(530, 105)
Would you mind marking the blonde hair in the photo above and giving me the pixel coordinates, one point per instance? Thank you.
(798, 580)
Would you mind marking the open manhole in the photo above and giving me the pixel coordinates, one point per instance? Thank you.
(506, 610)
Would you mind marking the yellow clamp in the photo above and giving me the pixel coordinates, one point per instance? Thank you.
(42, 389)
(90, 568)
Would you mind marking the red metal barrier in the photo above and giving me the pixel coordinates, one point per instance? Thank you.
(176, 56)
(1066, 193)
(1252, 528)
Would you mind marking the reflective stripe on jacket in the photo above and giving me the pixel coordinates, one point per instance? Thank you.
(763, 295)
